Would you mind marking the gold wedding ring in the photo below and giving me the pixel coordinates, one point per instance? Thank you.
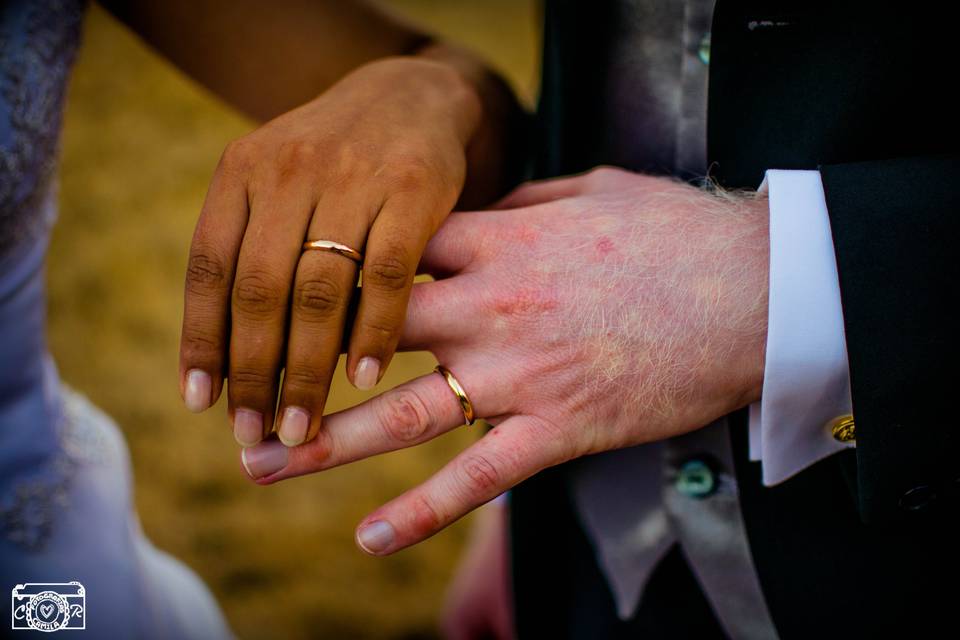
(465, 405)
(336, 247)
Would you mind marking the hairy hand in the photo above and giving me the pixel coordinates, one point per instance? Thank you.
(334, 169)
(586, 314)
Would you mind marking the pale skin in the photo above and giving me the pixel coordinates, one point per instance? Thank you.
(584, 314)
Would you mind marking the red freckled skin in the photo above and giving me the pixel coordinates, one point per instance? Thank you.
(521, 234)
(526, 302)
(604, 245)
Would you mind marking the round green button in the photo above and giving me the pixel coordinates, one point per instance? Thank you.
(703, 51)
(695, 479)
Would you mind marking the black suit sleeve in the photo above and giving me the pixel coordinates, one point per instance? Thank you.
(895, 227)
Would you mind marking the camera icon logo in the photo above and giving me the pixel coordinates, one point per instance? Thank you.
(48, 606)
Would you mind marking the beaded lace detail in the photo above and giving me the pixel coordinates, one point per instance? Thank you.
(38, 42)
(29, 511)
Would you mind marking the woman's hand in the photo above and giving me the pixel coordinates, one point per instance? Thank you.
(376, 163)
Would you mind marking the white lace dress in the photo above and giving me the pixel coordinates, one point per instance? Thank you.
(66, 512)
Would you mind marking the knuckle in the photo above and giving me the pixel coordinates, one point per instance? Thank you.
(198, 343)
(250, 377)
(205, 272)
(258, 294)
(479, 474)
(318, 296)
(299, 155)
(320, 451)
(425, 519)
(352, 163)
(413, 173)
(603, 170)
(570, 443)
(606, 176)
(388, 272)
(526, 302)
(238, 155)
(303, 377)
(404, 416)
(382, 331)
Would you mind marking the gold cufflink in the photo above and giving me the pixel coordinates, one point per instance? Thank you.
(843, 429)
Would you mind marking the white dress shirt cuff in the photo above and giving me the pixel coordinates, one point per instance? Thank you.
(806, 381)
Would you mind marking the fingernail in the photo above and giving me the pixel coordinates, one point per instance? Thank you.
(293, 426)
(365, 377)
(247, 427)
(375, 537)
(264, 459)
(196, 395)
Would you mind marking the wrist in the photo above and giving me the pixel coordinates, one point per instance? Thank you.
(461, 81)
(498, 147)
(756, 287)
(736, 250)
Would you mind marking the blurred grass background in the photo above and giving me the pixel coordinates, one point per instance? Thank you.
(139, 146)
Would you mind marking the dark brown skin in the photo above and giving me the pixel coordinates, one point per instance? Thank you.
(374, 133)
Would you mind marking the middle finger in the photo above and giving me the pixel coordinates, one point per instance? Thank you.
(261, 290)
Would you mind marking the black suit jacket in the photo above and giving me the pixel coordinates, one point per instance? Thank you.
(858, 544)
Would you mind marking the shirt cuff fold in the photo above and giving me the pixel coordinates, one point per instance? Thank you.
(806, 383)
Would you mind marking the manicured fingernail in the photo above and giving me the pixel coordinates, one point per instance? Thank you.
(247, 427)
(368, 369)
(293, 426)
(196, 394)
(264, 459)
(376, 537)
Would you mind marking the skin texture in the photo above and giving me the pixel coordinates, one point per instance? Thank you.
(332, 169)
(586, 314)
(377, 132)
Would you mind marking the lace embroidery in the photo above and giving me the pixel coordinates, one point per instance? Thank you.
(28, 521)
(38, 42)
(29, 513)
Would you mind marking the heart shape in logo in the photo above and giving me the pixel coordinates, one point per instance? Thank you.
(46, 610)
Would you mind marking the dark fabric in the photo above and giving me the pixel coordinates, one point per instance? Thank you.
(615, 99)
(832, 85)
(794, 85)
(566, 596)
(827, 575)
(864, 91)
(895, 227)
(571, 129)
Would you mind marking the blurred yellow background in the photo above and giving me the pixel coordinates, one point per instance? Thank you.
(139, 146)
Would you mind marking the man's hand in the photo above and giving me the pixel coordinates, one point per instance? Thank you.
(586, 314)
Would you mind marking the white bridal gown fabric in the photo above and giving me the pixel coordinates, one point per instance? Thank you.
(66, 511)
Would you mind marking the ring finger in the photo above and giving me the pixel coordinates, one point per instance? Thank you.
(324, 283)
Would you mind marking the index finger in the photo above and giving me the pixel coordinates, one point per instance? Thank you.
(209, 281)
(407, 415)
